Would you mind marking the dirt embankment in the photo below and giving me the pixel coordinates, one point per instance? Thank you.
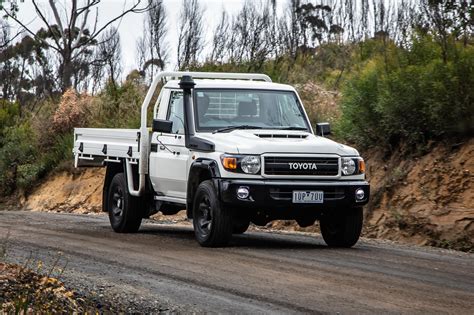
(425, 200)
(65, 191)
(422, 200)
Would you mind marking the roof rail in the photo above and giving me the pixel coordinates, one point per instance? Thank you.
(215, 75)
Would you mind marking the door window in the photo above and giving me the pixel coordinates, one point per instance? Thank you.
(176, 112)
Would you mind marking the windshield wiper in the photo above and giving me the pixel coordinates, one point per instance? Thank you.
(236, 127)
(294, 128)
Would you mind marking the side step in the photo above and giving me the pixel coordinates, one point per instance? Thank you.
(170, 199)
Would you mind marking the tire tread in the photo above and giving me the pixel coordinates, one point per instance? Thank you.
(349, 227)
(221, 232)
(132, 217)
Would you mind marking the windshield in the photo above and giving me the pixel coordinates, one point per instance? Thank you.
(223, 108)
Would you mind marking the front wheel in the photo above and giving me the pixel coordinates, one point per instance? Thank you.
(212, 224)
(124, 209)
(240, 225)
(342, 229)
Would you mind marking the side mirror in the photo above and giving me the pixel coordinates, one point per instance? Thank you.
(160, 125)
(323, 129)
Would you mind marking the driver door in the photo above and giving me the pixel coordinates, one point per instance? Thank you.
(169, 156)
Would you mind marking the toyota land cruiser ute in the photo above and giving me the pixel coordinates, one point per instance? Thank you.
(232, 149)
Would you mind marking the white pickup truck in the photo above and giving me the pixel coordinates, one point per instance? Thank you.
(231, 149)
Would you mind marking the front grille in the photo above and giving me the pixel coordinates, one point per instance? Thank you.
(330, 193)
(316, 166)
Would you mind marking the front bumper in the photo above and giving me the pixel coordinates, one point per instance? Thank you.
(277, 194)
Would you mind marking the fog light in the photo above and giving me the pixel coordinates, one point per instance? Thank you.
(243, 192)
(359, 194)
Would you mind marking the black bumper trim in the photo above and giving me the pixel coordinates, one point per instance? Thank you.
(277, 194)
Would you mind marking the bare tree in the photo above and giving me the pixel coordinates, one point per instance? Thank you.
(141, 48)
(5, 34)
(450, 19)
(306, 25)
(107, 65)
(157, 19)
(71, 34)
(190, 37)
(152, 48)
(404, 20)
(221, 39)
(253, 30)
(290, 29)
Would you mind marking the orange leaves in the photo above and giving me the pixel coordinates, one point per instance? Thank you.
(71, 111)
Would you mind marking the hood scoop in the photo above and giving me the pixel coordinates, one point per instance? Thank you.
(281, 136)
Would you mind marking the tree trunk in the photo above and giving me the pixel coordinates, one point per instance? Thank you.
(67, 72)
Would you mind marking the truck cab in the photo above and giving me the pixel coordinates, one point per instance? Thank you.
(231, 149)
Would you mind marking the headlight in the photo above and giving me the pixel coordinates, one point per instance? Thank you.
(348, 166)
(250, 164)
(352, 166)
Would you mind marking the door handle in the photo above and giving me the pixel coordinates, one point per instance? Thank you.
(162, 147)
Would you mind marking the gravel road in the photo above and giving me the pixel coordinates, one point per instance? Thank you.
(162, 268)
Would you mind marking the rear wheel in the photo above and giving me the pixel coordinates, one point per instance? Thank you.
(212, 224)
(342, 229)
(124, 209)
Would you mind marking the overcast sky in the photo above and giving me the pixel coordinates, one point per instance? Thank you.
(131, 26)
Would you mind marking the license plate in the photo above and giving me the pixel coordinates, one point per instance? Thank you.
(300, 196)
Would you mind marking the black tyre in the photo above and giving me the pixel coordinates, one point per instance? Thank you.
(240, 226)
(342, 229)
(212, 224)
(305, 221)
(124, 210)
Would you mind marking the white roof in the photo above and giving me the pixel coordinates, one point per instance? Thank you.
(235, 84)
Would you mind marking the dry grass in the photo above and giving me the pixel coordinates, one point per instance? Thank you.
(320, 104)
(23, 291)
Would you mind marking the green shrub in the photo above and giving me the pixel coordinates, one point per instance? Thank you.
(9, 113)
(18, 149)
(358, 106)
(118, 106)
(60, 150)
(28, 174)
(409, 95)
